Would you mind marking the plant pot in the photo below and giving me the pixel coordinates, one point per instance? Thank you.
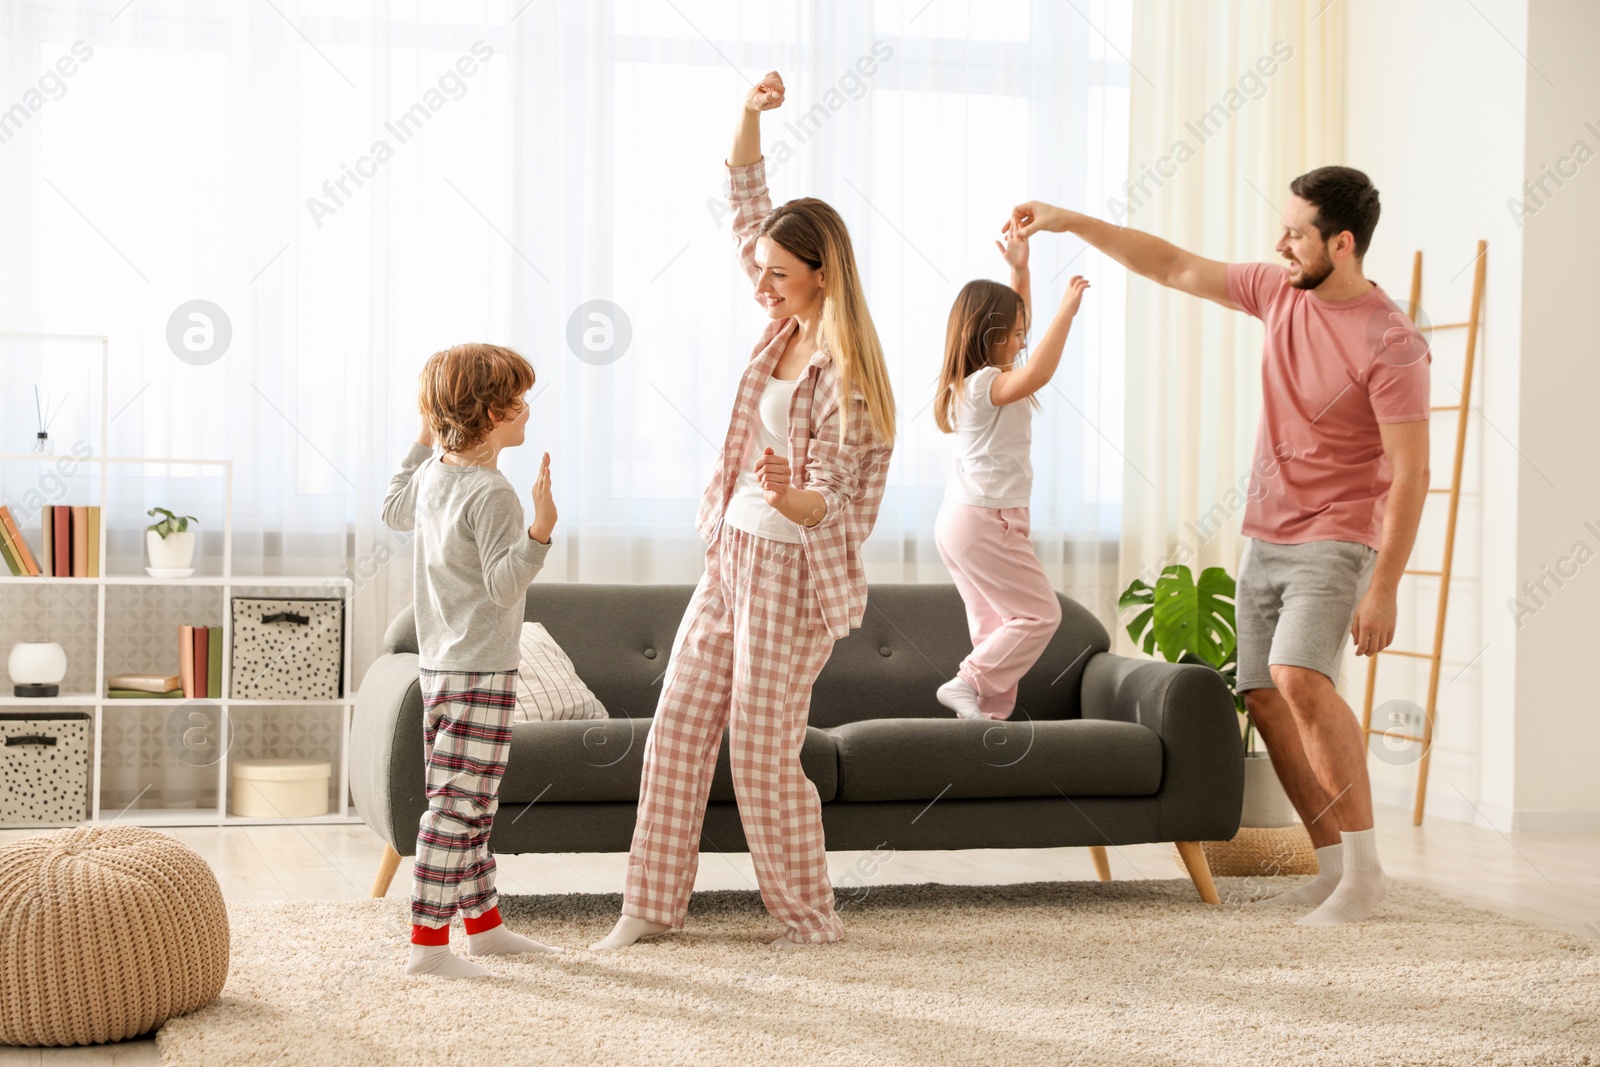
(172, 552)
(1266, 805)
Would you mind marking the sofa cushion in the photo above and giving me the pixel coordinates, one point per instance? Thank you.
(920, 759)
(602, 760)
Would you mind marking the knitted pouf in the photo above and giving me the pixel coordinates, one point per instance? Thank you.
(1261, 853)
(106, 932)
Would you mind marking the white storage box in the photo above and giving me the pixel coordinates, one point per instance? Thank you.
(279, 788)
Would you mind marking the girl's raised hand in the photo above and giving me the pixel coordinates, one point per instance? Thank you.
(765, 94)
(1014, 249)
(1074, 295)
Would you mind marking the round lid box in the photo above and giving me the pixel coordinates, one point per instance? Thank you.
(280, 788)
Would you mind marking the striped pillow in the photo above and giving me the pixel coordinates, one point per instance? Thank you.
(548, 688)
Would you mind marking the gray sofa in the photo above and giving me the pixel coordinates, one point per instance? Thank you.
(1101, 750)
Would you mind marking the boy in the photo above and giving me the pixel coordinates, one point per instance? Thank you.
(474, 560)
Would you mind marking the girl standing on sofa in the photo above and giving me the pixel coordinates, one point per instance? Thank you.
(795, 491)
(985, 398)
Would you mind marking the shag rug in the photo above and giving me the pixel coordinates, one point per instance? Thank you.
(1081, 973)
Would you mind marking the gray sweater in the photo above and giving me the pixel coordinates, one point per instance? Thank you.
(473, 561)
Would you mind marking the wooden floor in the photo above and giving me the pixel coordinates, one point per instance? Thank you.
(1552, 880)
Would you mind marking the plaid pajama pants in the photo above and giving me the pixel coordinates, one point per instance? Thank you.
(746, 654)
(466, 736)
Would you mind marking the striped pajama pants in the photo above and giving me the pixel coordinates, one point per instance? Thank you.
(746, 654)
(466, 736)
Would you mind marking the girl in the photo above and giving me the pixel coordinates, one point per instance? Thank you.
(982, 528)
(795, 491)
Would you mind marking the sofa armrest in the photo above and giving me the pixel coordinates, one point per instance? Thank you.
(386, 779)
(1189, 708)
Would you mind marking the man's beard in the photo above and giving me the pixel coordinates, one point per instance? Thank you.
(1311, 277)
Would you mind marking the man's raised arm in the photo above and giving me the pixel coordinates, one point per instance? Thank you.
(1142, 253)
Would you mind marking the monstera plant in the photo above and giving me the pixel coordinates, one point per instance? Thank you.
(1189, 622)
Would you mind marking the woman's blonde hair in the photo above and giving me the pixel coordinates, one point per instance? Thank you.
(811, 230)
(983, 316)
(465, 389)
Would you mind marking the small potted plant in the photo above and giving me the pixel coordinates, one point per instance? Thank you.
(170, 543)
(1193, 622)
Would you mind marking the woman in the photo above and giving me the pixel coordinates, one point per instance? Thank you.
(795, 491)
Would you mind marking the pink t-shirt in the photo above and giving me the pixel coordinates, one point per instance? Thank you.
(1330, 374)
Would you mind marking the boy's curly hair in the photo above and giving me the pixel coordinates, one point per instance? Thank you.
(462, 386)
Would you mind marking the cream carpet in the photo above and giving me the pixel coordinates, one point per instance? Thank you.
(1135, 972)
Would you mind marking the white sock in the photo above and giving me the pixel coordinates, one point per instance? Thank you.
(439, 961)
(959, 696)
(1330, 866)
(1361, 887)
(498, 941)
(628, 930)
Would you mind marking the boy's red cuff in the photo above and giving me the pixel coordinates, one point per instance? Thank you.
(430, 935)
(487, 921)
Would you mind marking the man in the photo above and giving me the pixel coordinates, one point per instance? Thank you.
(1345, 397)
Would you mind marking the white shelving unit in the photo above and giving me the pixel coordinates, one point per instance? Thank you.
(227, 585)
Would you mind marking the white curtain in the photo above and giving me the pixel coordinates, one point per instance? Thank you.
(1231, 101)
(356, 185)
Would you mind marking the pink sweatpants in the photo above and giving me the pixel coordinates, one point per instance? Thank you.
(1012, 610)
(746, 654)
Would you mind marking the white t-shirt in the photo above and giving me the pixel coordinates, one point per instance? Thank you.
(994, 468)
(748, 509)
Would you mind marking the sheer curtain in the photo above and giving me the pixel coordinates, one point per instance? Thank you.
(356, 185)
(1231, 100)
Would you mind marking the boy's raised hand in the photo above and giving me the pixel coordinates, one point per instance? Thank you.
(544, 504)
(1074, 295)
(425, 435)
(1014, 249)
(765, 94)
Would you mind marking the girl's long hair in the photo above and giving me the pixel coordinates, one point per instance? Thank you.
(983, 316)
(812, 231)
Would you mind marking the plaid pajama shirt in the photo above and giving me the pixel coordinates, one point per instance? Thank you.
(466, 738)
(757, 632)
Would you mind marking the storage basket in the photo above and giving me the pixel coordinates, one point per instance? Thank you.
(287, 648)
(44, 767)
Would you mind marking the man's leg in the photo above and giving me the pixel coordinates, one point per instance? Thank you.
(1331, 740)
(1321, 583)
(1275, 722)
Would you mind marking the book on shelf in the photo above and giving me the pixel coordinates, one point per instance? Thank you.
(80, 541)
(186, 658)
(202, 660)
(143, 694)
(47, 559)
(214, 663)
(146, 683)
(61, 521)
(93, 569)
(12, 535)
(70, 545)
(11, 562)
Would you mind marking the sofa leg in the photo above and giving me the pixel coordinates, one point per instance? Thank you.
(1102, 866)
(386, 868)
(1194, 858)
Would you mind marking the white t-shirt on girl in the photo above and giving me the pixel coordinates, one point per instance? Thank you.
(994, 468)
(748, 510)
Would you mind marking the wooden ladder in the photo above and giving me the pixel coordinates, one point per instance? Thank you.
(1436, 657)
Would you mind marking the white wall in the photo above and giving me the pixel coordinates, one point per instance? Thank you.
(1449, 119)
